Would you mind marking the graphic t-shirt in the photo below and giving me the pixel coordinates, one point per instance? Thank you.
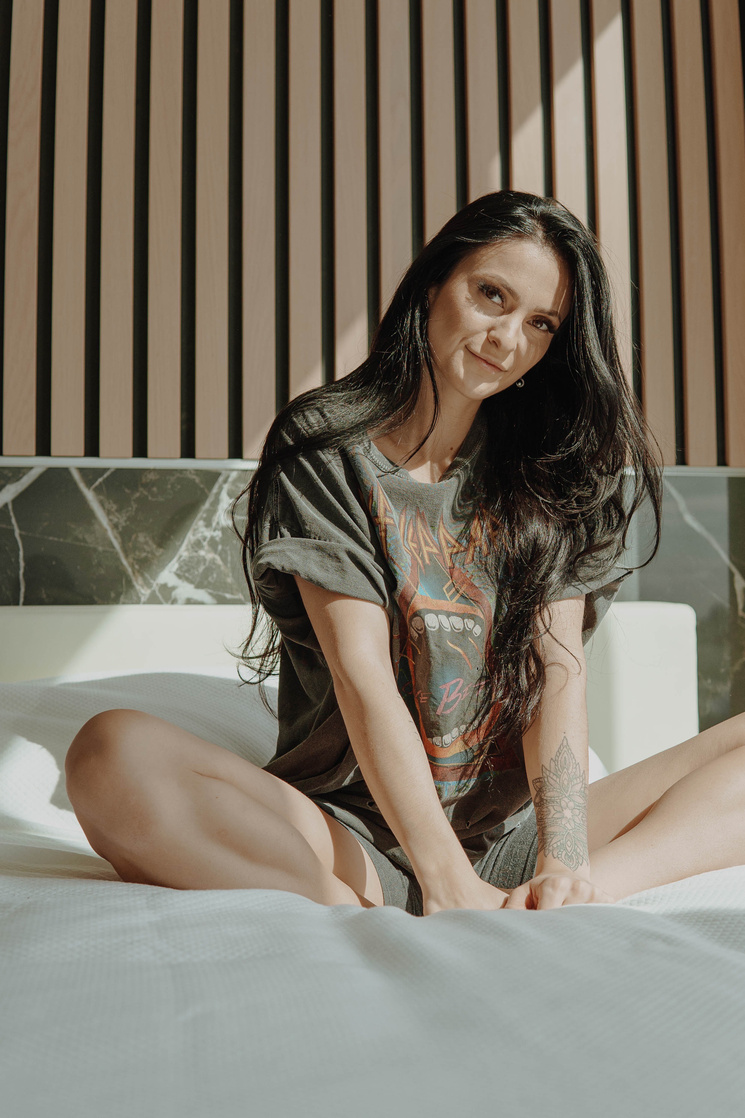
(352, 522)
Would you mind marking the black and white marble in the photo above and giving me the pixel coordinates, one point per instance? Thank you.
(81, 535)
(97, 533)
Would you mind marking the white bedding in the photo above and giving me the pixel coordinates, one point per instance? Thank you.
(120, 999)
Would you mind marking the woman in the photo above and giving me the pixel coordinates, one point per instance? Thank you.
(430, 541)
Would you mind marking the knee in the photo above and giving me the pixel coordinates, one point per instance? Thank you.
(99, 754)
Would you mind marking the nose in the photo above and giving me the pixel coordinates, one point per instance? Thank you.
(505, 332)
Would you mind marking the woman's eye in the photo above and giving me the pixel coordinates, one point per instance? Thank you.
(545, 326)
(492, 293)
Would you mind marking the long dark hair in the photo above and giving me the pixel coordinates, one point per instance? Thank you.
(552, 500)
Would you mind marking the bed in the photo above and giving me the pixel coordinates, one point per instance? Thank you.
(121, 999)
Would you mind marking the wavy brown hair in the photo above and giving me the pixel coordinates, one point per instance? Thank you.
(569, 458)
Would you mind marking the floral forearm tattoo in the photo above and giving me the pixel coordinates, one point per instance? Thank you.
(560, 801)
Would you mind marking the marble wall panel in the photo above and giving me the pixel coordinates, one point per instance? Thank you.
(89, 536)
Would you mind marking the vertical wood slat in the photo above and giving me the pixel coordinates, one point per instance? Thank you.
(350, 186)
(259, 357)
(697, 301)
(305, 195)
(117, 230)
(394, 144)
(211, 335)
(730, 148)
(69, 242)
(164, 231)
(438, 111)
(527, 170)
(22, 230)
(482, 108)
(568, 107)
(611, 164)
(655, 270)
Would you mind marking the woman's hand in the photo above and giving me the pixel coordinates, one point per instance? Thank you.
(467, 892)
(552, 890)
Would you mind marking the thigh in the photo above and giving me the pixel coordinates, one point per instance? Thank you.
(147, 745)
(619, 801)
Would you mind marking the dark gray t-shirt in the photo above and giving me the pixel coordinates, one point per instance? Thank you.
(353, 523)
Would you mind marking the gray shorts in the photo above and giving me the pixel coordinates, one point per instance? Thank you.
(508, 862)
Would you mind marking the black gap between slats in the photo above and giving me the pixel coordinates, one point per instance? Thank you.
(714, 224)
(544, 32)
(5, 19)
(672, 172)
(141, 223)
(91, 425)
(461, 126)
(588, 70)
(417, 139)
(503, 81)
(636, 370)
(235, 234)
(189, 229)
(282, 203)
(328, 231)
(372, 125)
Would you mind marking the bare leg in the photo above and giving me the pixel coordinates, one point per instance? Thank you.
(696, 825)
(168, 808)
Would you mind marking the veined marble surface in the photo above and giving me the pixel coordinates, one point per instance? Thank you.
(84, 535)
(88, 536)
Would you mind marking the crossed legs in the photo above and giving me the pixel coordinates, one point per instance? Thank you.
(168, 808)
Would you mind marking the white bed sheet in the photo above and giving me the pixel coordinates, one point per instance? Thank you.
(121, 999)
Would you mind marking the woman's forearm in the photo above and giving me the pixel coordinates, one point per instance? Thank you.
(556, 762)
(395, 767)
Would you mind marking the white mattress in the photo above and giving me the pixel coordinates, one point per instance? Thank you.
(121, 999)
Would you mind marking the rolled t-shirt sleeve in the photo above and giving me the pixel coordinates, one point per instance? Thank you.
(599, 589)
(316, 526)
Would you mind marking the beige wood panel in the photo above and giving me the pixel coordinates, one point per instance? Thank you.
(697, 305)
(164, 231)
(568, 107)
(117, 230)
(394, 132)
(482, 98)
(211, 335)
(611, 164)
(259, 359)
(655, 270)
(526, 108)
(22, 230)
(730, 136)
(305, 195)
(350, 186)
(69, 238)
(438, 112)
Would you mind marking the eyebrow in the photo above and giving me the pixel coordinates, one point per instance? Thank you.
(513, 294)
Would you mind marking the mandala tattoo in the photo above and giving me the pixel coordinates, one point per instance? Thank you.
(560, 802)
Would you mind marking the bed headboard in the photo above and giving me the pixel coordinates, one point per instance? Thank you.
(41, 641)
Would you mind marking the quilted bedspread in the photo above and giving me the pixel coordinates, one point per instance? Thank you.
(130, 1000)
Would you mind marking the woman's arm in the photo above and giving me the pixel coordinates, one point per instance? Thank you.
(556, 761)
(354, 637)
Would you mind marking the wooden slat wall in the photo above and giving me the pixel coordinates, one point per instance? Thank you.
(222, 233)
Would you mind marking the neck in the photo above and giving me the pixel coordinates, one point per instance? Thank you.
(436, 454)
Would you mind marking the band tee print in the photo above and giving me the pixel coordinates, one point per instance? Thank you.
(444, 603)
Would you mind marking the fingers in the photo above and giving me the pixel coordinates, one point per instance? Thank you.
(518, 897)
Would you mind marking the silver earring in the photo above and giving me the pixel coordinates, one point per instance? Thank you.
(520, 383)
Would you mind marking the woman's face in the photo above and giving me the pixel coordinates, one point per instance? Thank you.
(493, 318)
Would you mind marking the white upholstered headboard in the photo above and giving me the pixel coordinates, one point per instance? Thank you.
(641, 663)
(41, 641)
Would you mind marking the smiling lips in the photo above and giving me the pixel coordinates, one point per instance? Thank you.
(485, 361)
